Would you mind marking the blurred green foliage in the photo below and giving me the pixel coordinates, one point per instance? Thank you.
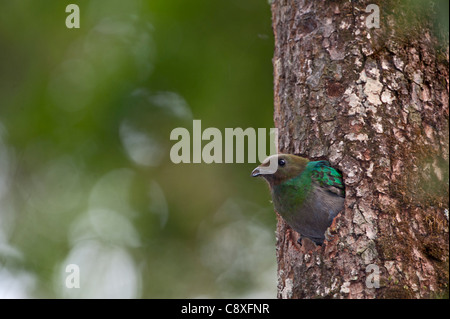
(85, 173)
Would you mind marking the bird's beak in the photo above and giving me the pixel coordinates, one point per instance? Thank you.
(256, 172)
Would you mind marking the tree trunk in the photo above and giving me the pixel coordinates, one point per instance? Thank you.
(373, 102)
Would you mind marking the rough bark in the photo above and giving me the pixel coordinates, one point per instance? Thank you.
(374, 102)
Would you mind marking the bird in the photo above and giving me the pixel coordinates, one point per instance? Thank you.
(307, 194)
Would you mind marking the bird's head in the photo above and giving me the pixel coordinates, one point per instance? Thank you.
(287, 166)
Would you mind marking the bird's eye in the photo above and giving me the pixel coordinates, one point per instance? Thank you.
(281, 162)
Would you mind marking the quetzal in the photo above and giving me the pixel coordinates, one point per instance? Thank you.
(308, 195)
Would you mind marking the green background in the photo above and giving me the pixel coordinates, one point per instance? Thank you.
(85, 172)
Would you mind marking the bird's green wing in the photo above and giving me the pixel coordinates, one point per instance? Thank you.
(327, 177)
